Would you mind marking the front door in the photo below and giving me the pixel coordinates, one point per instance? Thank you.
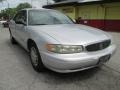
(20, 26)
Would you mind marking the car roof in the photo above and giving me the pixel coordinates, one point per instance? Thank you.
(35, 9)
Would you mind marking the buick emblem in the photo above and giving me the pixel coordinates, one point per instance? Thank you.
(101, 46)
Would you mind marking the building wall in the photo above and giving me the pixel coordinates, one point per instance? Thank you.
(92, 15)
(103, 16)
(68, 10)
(112, 17)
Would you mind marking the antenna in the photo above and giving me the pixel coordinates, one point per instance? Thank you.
(31, 3)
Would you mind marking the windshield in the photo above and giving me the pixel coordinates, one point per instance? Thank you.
(47, 17)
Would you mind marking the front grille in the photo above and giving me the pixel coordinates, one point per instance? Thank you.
(98, 46)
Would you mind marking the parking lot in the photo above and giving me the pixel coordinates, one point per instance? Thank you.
(16, 72)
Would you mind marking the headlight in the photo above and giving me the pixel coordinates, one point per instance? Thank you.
(64, 49)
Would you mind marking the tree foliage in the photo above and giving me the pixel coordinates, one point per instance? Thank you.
(22, 6)
(2, 0)
(10, 12)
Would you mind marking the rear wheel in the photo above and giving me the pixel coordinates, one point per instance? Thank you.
(36, 58)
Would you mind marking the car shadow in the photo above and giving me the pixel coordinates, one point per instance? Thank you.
(70, 77)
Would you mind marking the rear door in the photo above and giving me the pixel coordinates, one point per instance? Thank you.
(12, 26)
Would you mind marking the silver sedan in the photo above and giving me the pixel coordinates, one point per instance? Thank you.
(54, 41)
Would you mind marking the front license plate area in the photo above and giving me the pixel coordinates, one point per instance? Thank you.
(104, 59)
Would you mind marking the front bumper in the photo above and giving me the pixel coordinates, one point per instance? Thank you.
(65, 63)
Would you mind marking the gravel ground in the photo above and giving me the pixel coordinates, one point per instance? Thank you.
(16, 72)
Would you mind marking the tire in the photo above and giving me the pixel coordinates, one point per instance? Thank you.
(35, 58)
(12, 39)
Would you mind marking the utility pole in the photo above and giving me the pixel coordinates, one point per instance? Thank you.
(8, 6)
(47, 2)
(31, 2)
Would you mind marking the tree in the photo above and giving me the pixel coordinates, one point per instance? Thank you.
(8, 13)
(2, 0)
(22, 6)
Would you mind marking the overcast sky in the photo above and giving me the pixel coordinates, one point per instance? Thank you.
(35, 3)
(14, 3)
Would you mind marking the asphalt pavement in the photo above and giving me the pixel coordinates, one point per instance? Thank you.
(16, 72)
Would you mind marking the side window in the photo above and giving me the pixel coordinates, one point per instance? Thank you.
(16, 17)
(24, 16)
(21, 17)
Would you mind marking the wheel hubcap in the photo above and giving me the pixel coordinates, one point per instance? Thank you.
(34, 56)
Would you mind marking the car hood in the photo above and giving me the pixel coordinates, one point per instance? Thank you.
(72, 33)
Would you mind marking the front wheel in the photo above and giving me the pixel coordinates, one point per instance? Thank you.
(36, 58)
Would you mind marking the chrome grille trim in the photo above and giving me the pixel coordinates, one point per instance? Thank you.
(98, 46)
